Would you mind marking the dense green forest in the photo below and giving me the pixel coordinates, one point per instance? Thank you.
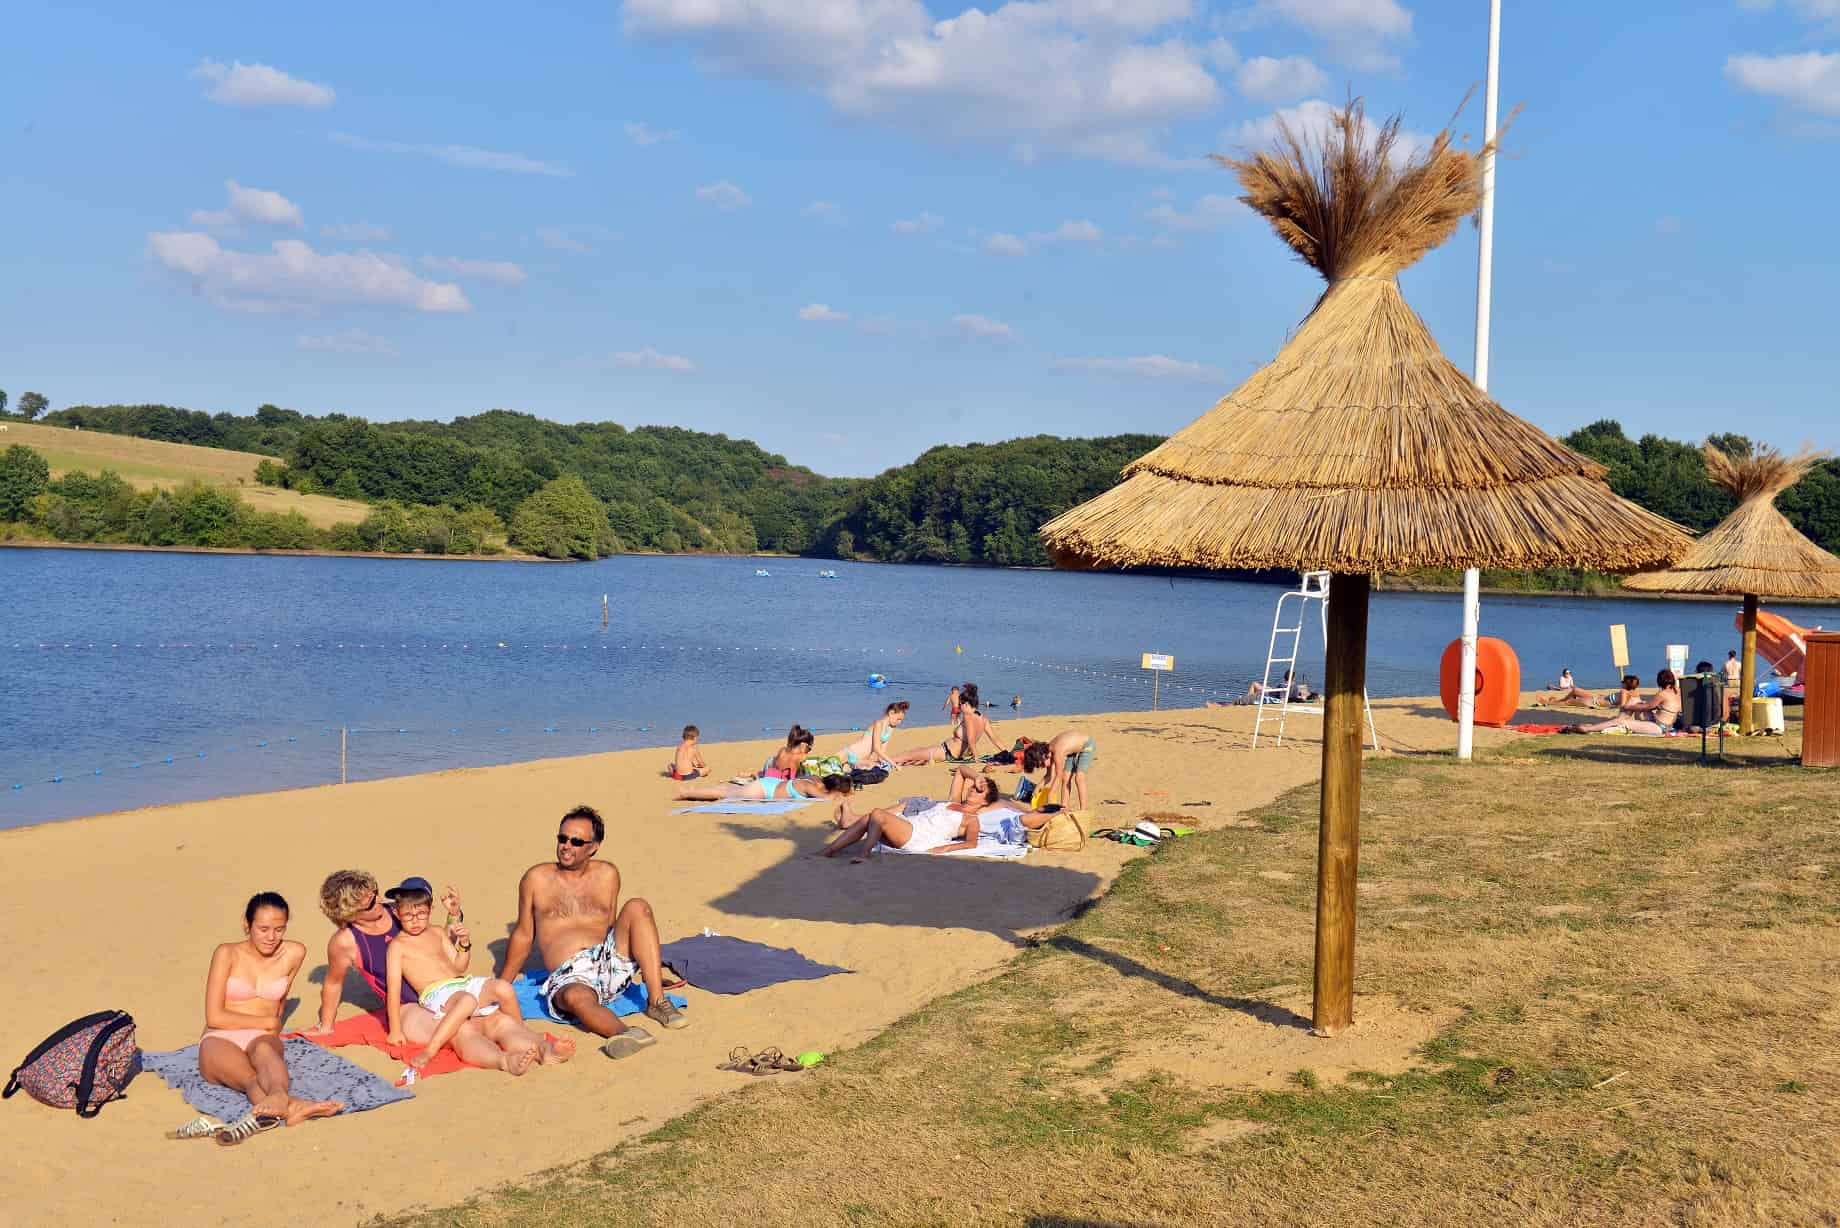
(669, 489)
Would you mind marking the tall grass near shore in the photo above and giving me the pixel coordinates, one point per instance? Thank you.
(1628, 960)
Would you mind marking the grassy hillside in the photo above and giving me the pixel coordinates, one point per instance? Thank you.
(146, 463)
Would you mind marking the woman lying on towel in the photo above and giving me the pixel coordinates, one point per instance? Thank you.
(1658, 716)
(961, 745)
(944, 827)
(770, 789)
(245, 997)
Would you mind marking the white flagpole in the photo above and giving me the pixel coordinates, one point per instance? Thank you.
(1472, 595)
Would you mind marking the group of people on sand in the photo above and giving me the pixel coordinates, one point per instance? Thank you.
(1634, 714)
(568, 910)
(1063, 763)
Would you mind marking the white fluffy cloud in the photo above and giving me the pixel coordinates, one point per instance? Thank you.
(1147, 366)
(650, 359)
(723, 195)
(351, 341)
(1353, 32)
(560, 240)
(291, 276)
(821, 313)
(468, 157)
(254, 205)
(237, 84)
(982, 327)
(1005, 245)
(641, 133)
(1087, 78)
(920, 225)
(1070, 232)
(357, 232)
(1807, 80)
(820, 208)
(1208, 212)
(500, 272)
(1822, 12)
(1280, 80)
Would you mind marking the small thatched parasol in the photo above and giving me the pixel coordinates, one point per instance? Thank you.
(1754, 552)
(1360, 448)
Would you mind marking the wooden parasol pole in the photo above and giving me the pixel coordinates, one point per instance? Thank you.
(1747, 675)
(1338, 841)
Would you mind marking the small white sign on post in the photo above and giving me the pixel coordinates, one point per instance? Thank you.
(1677, 658)
(1158, 663)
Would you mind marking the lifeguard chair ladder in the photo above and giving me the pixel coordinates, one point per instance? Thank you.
(1281, 654)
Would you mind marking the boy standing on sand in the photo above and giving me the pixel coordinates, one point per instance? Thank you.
(434, 965)
(688, 765)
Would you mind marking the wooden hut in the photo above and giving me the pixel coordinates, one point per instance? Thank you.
(1359, 448)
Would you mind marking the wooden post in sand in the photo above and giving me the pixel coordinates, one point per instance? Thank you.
(1338, 841)
(1747, 673)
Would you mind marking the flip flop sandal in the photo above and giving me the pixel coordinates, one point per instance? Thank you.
(739, 1060)
(672, 979)
(246, 1128)
(199, 1127)
(772, 1061)
(628, 1043)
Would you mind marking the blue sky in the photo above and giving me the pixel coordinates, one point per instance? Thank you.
(852, 229)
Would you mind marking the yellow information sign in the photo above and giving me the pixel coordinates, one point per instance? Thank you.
(1619, 646)
(1158, 663)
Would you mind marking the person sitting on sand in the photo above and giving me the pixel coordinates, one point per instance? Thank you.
(1063, 761)
(944, 827)
(1657, 716)
(961, 745)
(872, 746)
(688, 763)
(434, 963)
(592, 945)
(784, 765)
(1575, 696)
(245, 996)
(1258, 693)
(769, 789)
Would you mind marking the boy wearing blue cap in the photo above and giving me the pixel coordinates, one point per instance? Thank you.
(434, 963)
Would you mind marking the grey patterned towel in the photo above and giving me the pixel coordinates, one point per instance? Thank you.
(314, 1073)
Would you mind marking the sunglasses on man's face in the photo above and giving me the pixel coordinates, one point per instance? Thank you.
(573, 841)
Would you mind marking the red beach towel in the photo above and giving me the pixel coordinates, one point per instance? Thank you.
(373, 1030)
(1532, 728)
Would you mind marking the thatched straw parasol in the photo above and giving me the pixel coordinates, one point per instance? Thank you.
(1360, 448)
(1754, 552)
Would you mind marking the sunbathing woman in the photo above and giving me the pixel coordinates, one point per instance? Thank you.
(1571, 695)
(961, 745)
(873, 744)
(769, 789)
(245, 996)
(1658, 716)
(784, 764)
(944, 827)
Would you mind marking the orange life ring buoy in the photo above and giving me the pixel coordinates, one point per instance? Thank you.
(1498, 680)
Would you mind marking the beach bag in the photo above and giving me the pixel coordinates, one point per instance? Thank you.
(863, 777)
(1062, 833)
(83, 1065)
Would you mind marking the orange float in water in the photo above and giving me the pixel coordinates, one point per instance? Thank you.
(1498, 680)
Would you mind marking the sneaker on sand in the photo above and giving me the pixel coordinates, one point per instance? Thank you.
(627, 1043)
(662, 1010)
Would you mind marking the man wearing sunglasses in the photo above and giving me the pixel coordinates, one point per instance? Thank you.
(594, 948)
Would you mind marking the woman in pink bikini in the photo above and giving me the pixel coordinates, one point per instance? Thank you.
(244, 997)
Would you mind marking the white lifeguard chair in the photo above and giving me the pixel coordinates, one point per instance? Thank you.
(1282, 654)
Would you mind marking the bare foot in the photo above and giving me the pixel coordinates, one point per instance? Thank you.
(306, 1110)
(421, 1060)
(556, 1049)
(519, 1062)
(272, 1106)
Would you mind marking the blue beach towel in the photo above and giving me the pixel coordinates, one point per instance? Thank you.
(741, 806)
(632, 1000)
(314, 1073)
(720, 964)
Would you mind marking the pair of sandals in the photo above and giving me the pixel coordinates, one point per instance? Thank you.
(228, 1134)
(766, 1062)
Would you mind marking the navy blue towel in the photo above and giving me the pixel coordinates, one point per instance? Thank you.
(720, 964)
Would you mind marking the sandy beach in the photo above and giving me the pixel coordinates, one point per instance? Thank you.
(123, 911)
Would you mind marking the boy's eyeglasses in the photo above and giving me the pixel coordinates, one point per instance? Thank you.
(573, 841)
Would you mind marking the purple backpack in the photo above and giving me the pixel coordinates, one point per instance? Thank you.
(83, 1065)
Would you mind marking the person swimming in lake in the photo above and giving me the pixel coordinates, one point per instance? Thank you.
(944, 827)
(245, 1001)
(770, 789)
(872, 746)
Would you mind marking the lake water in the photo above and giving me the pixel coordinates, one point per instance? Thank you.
(143, 678)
